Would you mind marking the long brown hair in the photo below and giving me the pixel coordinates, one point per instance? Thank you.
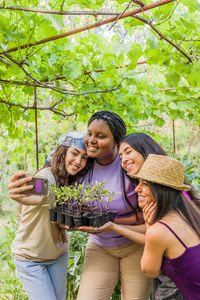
(58, 169)
(57, 165)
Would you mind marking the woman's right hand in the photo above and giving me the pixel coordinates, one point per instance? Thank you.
(68, 228)
(16, 186)
(149, 213)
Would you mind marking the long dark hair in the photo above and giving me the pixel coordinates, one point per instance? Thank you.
(57, 165)
(145, 145)
(169, 199)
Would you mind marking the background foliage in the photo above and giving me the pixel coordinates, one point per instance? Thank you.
(95, 69)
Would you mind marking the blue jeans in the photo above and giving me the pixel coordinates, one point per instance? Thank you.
(44, 280)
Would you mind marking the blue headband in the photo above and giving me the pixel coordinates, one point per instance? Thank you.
(74, 139)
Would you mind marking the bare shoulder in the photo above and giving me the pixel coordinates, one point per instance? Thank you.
(157, 233)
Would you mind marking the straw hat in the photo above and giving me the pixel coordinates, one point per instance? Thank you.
(163, 170)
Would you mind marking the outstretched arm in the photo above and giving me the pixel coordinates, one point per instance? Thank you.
(134, 233)
(136, 219)
(16, 188)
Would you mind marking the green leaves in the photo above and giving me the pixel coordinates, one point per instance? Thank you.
(111, 56)
(193, 77)
(72, 70)
(172, 79)
(134, 55)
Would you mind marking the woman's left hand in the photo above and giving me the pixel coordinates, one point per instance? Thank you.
(95, 230)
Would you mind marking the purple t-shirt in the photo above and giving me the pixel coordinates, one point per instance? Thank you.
(113, 180)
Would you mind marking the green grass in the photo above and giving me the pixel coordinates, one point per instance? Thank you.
(10, 285)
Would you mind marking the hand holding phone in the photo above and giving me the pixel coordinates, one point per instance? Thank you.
(40, 185)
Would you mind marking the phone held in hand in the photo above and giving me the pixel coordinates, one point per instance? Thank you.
(40, 185)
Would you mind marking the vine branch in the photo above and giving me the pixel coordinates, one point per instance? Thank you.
(120, 15)
(51, 108)
(40, 86)
(191, 40)
(88, 27)
(62, 91)
(61, 12)
(161, 35)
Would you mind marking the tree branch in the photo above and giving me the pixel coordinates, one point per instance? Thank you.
(120, 15)
(62, 91)
(61, 12)
(88, 27)
(118, 67)
(191, 40)
(169, 89)
(5, 62)
(26, 84)
(139, 2)
(149, 23)
(51, 108)
(40, 86)
(186, 100)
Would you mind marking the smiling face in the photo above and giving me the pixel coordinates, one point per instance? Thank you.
(99, 142)
(131, 160)
(75, 160)
(145, 195)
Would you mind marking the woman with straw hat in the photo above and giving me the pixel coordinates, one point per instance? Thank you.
(172, 239)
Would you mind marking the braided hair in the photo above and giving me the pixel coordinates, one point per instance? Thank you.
(115, 123)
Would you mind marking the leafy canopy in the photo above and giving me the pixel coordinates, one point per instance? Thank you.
(135, 91)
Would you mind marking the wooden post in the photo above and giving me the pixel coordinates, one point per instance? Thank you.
(36, 128)
(174, 140)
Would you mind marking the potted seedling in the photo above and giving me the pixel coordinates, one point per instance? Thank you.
(77, 196)
(81, 204)
(95, 194)
(62, 196)
(67, 212)
(53, 210)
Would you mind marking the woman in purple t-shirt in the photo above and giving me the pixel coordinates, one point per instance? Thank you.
(110, 256)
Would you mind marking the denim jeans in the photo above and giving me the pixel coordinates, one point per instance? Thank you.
(44, 280)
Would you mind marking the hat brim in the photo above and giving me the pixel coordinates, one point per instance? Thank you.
(183, 187)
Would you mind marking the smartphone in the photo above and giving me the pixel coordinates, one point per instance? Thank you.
(40, 185)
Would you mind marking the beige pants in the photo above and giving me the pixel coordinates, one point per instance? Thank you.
(104, 266)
